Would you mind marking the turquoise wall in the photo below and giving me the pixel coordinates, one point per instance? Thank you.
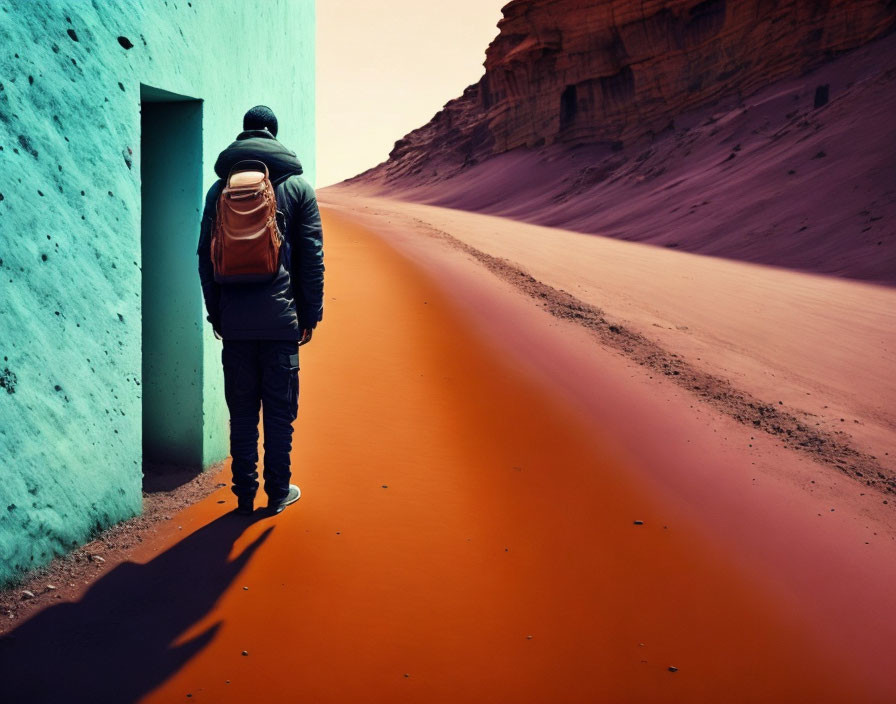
(71, 398)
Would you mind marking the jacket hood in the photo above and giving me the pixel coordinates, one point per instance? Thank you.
(260, 145)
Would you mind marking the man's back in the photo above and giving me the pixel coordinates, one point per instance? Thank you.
(293, 300)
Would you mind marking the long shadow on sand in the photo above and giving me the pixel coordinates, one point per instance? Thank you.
(115, 644)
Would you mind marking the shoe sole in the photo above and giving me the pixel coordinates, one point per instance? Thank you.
(279, 507)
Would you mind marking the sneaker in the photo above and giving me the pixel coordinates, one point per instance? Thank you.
(245, 507)
(290, 498)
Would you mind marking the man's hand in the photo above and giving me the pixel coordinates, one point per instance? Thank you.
(306, 336)
(216, 326)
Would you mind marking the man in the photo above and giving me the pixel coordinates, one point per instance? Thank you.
(263, 324)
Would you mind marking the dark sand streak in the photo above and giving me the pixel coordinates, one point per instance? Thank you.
(831, 449)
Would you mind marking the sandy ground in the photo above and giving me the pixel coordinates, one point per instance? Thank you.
(821, 346)
(167, 490)
(496, 507)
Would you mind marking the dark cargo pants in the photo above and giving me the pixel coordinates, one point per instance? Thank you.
(261, 373)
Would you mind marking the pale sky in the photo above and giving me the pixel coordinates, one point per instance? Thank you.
(385, 67)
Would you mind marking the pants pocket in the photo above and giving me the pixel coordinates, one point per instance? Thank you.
(291, 363)
(283, 388)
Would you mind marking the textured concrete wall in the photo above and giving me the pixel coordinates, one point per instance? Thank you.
(70, 234)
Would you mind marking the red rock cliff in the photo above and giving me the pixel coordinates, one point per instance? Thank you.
(586, 71)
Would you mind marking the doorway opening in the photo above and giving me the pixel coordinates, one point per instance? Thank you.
(171, 203)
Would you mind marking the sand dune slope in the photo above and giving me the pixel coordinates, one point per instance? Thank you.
(773, 178)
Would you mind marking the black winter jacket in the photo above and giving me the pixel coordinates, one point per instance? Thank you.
(293, 300)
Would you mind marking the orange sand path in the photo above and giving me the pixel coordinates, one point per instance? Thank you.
(502, 520)
(462, 536)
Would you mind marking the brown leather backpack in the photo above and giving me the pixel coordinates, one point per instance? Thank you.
(246, 240)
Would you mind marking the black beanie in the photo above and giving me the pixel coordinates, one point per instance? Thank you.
(259, 117)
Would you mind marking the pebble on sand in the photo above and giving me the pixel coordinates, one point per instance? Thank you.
(245, 652)
(639, 523)
(672, 668)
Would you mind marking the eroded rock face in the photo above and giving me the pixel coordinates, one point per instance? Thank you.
(591, 71)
